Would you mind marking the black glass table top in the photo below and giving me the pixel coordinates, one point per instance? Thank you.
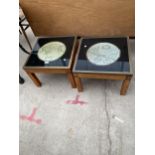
(86, 56)
(63, 61)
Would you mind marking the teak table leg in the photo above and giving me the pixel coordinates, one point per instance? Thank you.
(71, 79)
(34, 79)
(78, 84)
(125, 85)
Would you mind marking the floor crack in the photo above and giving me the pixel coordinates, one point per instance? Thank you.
(108, 121)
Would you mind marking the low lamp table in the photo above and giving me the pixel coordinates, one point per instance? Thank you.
(51, 55)
(103, 58)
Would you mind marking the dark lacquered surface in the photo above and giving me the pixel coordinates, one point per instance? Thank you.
(121, 65)
(34, 61)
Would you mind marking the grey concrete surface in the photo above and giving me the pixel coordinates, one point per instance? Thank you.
(102, 126)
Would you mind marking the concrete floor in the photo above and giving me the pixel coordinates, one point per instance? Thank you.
(102, 126)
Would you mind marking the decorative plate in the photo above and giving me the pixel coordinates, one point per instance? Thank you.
(102, 54)
(51, 51)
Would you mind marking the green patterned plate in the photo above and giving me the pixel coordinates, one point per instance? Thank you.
(51, 51)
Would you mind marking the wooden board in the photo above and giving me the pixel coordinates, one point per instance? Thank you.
(80, 17)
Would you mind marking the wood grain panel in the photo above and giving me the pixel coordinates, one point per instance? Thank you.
(80, 17)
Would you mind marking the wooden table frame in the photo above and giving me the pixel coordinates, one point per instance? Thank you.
(125, 84)
(30, 70)
(126, 77)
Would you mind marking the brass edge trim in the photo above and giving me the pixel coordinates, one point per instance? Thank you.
(108, 73)
(56, 67)
(79, 47)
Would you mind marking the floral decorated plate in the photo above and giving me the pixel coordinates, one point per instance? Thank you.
(103, 54)
(51, 51)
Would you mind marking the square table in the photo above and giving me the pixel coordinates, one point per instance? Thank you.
(38, 62)
(103, 58)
